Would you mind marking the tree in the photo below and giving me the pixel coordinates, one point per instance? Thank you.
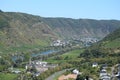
(87, 77)
(27, 56)
(80, 77)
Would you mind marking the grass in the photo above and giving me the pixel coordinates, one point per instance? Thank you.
(71, 55)
(7, 76)
(113, 44)
(42, 42)
(22, 48)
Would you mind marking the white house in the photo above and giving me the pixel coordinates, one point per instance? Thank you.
(75, 71)
(103, 72)
(95, 64)
(16, 71)
(118, 74)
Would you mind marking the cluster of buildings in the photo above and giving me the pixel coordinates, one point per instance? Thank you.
(104, 75)
(93, 40)
(88, 41)
(13, 70)
(103, 72)
(39, 66)
(59, 43)
(85, 41)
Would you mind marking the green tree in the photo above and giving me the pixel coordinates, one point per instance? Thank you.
(80, 77)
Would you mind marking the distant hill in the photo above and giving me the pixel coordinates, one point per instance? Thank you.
(69, 28)
(21, 31)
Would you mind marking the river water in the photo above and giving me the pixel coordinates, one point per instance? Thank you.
(43, 53)
(14, 58)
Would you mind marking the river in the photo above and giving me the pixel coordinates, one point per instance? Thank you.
(43, 53)
(14, 58)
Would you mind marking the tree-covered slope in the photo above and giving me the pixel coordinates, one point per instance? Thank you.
(20, 31)
(105, 51)
(112, 40)
(112, 36)
(69, 28)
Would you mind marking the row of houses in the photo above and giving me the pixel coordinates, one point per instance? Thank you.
(103, 73)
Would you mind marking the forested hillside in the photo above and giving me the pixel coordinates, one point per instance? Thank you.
(72, 28)
(105, 51)
(21, 31)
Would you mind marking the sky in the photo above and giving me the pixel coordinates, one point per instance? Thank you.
(90, 9)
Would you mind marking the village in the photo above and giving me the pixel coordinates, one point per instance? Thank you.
(37, 67)
(84, 41)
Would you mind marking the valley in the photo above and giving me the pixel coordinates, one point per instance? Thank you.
(36, 48)
(21, 32)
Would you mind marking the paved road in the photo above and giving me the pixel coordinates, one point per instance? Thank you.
(52, 77)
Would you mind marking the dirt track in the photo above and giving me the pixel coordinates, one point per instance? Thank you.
(63, 77)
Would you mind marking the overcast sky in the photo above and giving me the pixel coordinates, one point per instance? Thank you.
(92, 9)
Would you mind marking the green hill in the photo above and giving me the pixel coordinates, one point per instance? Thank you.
(105, 51)
(72, 28)
(111, 41)
(21, 32)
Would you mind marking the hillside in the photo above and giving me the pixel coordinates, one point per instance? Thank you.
(111, 41)
(21, 31)
(105, 51)
(75, 28)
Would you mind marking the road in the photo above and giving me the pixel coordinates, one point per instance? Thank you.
(53, 76)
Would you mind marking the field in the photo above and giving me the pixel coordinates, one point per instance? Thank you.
(7, 76)
(22, 48)
(113, 44)
(68, 56)
(73, 54)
